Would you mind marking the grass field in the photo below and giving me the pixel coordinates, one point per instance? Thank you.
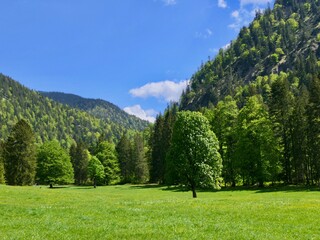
(151, 212)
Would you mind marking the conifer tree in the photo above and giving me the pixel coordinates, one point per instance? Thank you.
(124, 153)
(80, 158)
(19, 155)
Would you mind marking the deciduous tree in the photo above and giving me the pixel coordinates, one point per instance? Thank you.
(95, 170)
(54, 165)
(194, 152)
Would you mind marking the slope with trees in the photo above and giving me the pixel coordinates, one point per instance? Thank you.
(51, 120)
(100, 109)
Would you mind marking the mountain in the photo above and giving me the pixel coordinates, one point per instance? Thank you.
(284, 39)
(53, 120)
(100, 109)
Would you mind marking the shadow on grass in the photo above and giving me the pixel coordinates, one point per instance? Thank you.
(256, 189)
(160, 187)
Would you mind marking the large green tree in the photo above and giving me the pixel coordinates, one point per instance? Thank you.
(224, 124)
(95, 171)
(80, 157)
(124, 153)
(1, 164)
(280, 108)
(19, 155)
(54, 165)
(194, 152)
(257, 148)
(141, 170)
(106, 153)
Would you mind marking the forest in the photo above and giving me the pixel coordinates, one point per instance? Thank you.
(250, 117)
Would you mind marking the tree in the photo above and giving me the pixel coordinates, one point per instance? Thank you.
(19, 155)
(194, 152)
(224, 124)
(257, 148)
(157, 154)
(80, 158)
(141, 171)
(313, 113)
(2, 180)
(106, 154)
(280, 111)
(54, 165)
(123, 149)
(95, 170)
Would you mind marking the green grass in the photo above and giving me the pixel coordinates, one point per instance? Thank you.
(150, 212)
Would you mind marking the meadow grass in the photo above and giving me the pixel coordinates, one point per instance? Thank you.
(152, 212)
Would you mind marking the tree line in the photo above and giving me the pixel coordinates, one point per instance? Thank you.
(25, 162)
(268, 133)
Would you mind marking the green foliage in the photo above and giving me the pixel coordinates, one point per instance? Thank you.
(278, 34)
(256, 146)
(80, 157)
(141, 170)
(19, 155)
(101, 109)
(54, 165)
(95, 170)
(52, 120)
(2, 180)
(106, 153)
(224, 124)
(194, 152)
(124, 154)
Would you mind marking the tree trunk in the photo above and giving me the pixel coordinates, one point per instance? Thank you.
(51, 186)
(94, 183)
(194, 193)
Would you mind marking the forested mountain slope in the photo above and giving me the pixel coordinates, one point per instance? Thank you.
(100, 109)
(285, 38)
(262, 98)
(50, 119)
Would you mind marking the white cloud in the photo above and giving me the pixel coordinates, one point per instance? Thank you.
(169, 2)
(247, 11)
(204, 35)
(225, 47)
(165, 90)
(235, 14)
(242, 17)
(136, 110)
(222, 3)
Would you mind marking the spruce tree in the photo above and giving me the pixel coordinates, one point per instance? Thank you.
(19, 155)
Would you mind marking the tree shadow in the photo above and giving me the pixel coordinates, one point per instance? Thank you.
(256, 189)
(160, 187)
(288, 188)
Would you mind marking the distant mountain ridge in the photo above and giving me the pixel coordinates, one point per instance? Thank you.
(53, 120)
(99, 108)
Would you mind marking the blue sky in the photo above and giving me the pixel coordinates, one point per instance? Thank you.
(137, 54)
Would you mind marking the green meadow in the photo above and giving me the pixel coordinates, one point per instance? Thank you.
(152, 212)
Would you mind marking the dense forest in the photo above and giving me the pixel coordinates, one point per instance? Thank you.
(52, 120)
(255, 118)
(100, 109)
(262, 98)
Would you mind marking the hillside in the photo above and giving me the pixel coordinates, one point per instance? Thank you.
(261, 97)
(100, 109)
(283, 39)
(50, 119)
